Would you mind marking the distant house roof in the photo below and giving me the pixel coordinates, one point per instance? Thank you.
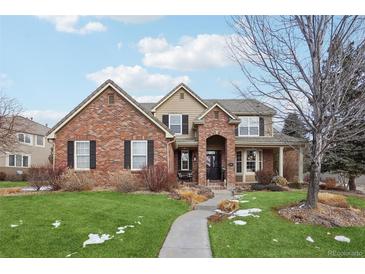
(25, 125)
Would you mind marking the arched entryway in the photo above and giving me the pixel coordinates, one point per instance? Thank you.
(216, 158)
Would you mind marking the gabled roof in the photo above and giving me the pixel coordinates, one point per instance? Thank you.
(26, 125)
(176, 89)
(243, 106)
(96, 93)
(216, 104)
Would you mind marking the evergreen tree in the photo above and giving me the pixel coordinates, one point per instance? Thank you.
(294, 126)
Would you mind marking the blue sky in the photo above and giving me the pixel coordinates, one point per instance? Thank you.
(51, 63)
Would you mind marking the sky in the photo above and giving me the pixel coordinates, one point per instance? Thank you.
(51, 63)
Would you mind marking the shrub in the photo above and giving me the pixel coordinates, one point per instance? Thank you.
(333, 200)
(264, 177)
(44, 175)
(279, 180)
(191, 196)
(157, 178)
(76, 181)
(330, 183)
(228, 206)
(295, 185)
(270, 187)
(124, 181)
(2, 176)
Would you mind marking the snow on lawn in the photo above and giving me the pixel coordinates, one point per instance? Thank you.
(310, 239)
(239, 222)
(56, 224)
(247, 212)
(96, 239)
(16, 225)
(121, 229)
(244, 201)
(342, 239)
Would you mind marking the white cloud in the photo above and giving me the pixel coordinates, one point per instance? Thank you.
(137, 78)
(135, 19)
(119, 45)
(70, 24)
(190, 53)
(148, 99)
(5, 81)
(49, 117)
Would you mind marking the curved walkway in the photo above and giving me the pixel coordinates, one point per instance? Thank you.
(188, 236)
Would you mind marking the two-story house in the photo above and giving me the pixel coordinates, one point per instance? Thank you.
(222, 140)
(31, 148)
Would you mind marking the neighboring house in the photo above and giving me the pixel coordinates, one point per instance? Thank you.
(214, 140)
(31, 148)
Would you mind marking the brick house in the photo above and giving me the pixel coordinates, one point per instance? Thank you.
(208, 141)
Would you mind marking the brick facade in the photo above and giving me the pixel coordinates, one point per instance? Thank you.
(213, 126)
(291, 157)
(268, 159)
(109, 126)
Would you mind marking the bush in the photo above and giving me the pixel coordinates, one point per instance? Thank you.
(330, 183)
(264, 177)
(295, 185)
(124, 181)
(2, 176)
(157, 178)
(228, 206)
(279, 180)
(45, 175)
(76, 181)
(333, 200)
(270, 187)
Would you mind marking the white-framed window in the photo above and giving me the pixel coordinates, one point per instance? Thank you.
(249, 126)
(18, 160)
(253, 160)
(25, 138)
(82, 155)
(185, 160)
(239, 161)
(138, 154)
(39, 141)
(175, 123)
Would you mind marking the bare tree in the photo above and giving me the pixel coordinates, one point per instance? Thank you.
(9, 113)
(294, 63)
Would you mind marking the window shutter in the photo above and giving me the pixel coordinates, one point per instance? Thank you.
(262, 126)
(150, 153)
(179, 159)
(127, 154)
(190, 160)
(70, 154)
(236, 131)
(92, 154)
(165, 119)
(185, 124)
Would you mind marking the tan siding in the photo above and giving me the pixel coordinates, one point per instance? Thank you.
(174, 105)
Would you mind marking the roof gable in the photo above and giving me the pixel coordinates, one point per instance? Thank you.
(95, 94)
(232, 116)
(176, 89)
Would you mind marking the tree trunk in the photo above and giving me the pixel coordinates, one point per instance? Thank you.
(352, 185)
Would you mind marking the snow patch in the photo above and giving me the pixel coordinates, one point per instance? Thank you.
(247, 212)
(275, 240)
(239, 222)
(96, 239)
(342, 239)
(69, 255)
(122, 229)
(12, 225)
(244, 201)
(57, 223)
(234, 201)
(310, 239)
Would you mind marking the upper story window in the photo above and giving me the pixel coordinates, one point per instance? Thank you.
(139, 154)
(25, 138)
(82, 155)
(39, 141)
(175, 123)
(18, 160)
(249, 126)
(111, 100)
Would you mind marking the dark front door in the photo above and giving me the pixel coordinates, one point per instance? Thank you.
(214, 165)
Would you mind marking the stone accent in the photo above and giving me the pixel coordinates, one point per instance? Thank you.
(291, 164)
(221, 127)
(109, 125)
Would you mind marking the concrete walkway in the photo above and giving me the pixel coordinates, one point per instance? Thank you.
(188, 236)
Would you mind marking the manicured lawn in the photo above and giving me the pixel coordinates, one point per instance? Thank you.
(5, 184)
(255, 239)
(81, 214)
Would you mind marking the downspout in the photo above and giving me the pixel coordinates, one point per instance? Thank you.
(168, 154)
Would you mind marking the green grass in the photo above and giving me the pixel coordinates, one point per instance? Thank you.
(255, 239)
(81, 214)
(6, 184)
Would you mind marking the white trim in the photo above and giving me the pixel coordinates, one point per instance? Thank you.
(22, 155)
(216, 105)
(75, 154)
(249, 135)
(25, 134)
(181, 160)
(35, 140)
(176, 114)
(51, 135)
(173, 92)
(139, 141)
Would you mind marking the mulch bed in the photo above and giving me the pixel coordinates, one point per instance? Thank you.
(325, 215)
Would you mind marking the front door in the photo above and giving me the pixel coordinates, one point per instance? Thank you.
(214, 165)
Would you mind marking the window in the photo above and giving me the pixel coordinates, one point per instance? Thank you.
(254, 160)
(111, 99)
(25, 138)
(249, 126)
(18, 160)
(239, 162)
(175, 123)
(39, 141)
(82, 155)
(185, 160)
(181, 95)
(216, 114)
(139, 155)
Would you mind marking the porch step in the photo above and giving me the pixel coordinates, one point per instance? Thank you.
(216, 186)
